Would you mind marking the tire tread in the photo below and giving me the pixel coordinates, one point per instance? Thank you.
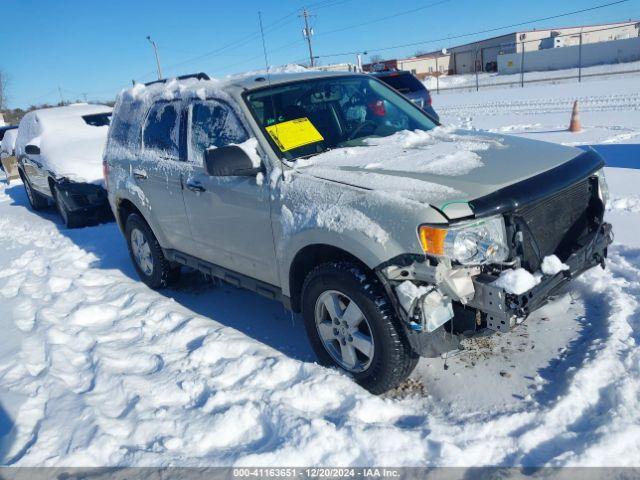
(400, 359)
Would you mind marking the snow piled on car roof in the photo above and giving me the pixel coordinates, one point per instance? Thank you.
(69, 146)
(133, 103)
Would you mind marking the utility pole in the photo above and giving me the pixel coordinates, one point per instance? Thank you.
(308, 32)
(522, 65)
(155, 50)
(580, 58)
(61, 97)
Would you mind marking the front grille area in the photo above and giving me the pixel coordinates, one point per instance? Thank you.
(555, 225)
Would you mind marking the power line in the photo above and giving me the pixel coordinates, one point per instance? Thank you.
(381, 19)
(479, 32)
(277, 24)
(281, 22)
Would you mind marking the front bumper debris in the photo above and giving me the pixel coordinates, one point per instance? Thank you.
(490, 307)
(503, 309)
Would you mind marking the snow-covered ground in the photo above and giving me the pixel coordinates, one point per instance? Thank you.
(96, 369)
(497, 80)
(609, 110)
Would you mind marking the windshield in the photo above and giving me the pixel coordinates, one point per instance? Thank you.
(305, 118)
(98, 119)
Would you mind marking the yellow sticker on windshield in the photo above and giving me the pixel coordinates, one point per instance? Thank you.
(294, 133)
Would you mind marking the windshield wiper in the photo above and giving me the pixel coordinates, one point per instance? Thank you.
(309, 155)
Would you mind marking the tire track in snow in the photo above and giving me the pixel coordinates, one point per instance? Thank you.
(602, 103)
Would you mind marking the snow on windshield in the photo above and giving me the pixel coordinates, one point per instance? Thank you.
(69, 146)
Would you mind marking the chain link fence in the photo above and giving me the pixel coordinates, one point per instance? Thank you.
(547, 57)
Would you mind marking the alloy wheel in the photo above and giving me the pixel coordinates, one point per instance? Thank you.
(344, 330)
(142, 252)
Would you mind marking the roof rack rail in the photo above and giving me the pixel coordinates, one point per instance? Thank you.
(197, 76)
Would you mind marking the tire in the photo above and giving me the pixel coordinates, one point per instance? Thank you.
(379, 369)
(70, 219)
(149, 261)
(36, 200)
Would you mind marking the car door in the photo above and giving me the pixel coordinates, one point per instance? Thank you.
(161, 168)
(35, 172)
(32, 162)
(229, 216)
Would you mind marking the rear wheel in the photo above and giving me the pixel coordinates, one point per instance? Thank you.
(70, 219)
(36, 200)
(352, 325)
(147, 256)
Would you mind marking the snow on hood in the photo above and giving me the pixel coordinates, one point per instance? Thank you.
(441, 151)
(69, 147)
(438, 166)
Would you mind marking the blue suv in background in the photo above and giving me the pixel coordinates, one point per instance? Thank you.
(408, 85)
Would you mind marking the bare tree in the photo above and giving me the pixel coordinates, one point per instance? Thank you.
(376, 58)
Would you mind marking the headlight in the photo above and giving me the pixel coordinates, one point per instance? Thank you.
(470, 243)
(603, 188)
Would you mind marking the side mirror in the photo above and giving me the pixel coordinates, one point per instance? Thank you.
(32, 150)
(229, 161)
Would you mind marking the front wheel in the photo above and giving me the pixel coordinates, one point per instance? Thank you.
(352, 325)
(36, 200)
(145, 251)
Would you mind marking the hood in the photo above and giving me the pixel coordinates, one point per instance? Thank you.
(440, 166)
(77, 158)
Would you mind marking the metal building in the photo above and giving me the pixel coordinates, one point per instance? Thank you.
(482, 55)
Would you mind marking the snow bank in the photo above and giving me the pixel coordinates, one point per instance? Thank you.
(628, 204)
(69, 146)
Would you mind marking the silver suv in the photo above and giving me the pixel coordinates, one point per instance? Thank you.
(393, 236)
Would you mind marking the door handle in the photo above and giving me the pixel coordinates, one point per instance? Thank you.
(139, 174)
(195, 186)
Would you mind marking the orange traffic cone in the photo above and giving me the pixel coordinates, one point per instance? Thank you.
(574, 125)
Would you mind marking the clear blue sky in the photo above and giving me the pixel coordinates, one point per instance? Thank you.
(97, 47)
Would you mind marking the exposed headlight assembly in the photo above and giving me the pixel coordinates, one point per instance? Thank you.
(603, 188)
(470, 243)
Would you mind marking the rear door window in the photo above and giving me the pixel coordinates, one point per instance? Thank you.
(162, 130)
(213, 124)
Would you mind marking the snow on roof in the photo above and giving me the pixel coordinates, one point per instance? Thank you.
(54, 115)
(69, 146)
(193, 87)
(133, 103)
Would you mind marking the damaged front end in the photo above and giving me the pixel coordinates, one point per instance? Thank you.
(430, 299)
(450, 292)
